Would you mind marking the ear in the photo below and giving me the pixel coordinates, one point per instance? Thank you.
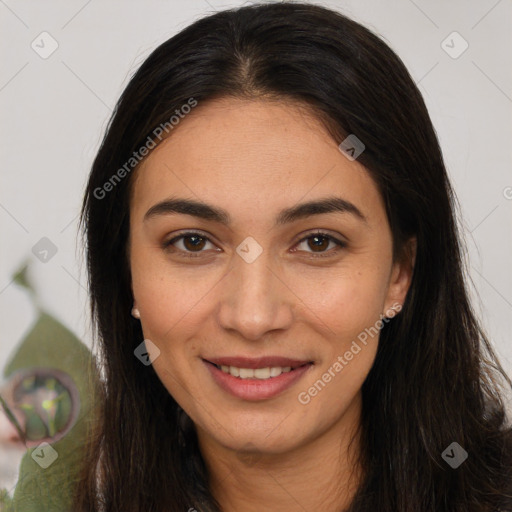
(401, 277)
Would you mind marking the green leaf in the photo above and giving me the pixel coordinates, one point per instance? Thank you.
(51, 346)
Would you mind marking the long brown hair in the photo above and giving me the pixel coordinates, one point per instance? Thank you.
(435, 379)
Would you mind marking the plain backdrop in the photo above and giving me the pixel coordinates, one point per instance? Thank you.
(54, 111)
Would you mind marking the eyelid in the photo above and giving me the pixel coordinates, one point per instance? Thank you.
(324, 232)
(189, 232)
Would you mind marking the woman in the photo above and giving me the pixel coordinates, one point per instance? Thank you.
(277, 284)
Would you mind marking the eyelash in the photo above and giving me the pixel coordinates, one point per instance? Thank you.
(187, 254)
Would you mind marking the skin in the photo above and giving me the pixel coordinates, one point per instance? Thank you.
(254, 158)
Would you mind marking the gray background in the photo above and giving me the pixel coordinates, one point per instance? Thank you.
(54, 111)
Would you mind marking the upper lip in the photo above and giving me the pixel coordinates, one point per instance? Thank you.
(257, 362)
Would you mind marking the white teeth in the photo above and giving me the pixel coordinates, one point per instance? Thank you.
(274, 372)
(262, 373)
(258, 373)
(246, 373)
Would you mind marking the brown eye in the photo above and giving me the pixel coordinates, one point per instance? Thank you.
(192, 244)
(319, 242)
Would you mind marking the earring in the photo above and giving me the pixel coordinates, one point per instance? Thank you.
(135, 313)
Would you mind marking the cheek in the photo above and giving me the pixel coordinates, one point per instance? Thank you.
(346, 302)
(169, 299)
(169, 312)
(348, 313)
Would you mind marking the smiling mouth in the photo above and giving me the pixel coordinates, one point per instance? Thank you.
(255, 379)
(261, 373)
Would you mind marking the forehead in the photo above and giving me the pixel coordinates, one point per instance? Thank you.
(251, 155)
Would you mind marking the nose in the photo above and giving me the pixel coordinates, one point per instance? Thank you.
(254, 298)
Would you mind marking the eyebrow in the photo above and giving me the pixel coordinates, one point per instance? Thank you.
(205, 211)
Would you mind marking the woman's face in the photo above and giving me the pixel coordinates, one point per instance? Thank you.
(251, 286)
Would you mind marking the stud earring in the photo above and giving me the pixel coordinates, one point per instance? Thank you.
(135, 313)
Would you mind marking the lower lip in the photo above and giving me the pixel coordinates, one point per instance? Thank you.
(256, 389)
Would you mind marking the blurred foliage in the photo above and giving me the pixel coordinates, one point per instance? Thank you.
(50, 347)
